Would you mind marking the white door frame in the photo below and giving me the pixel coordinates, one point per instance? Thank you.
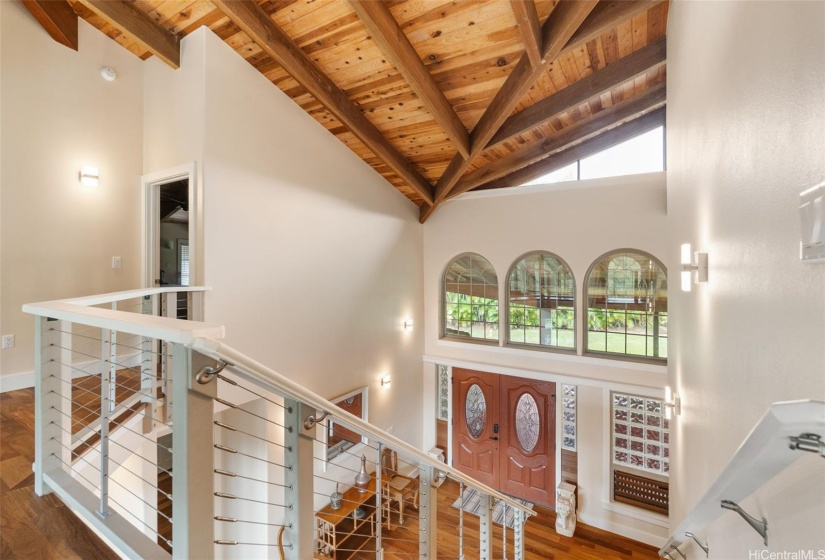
(150, 238)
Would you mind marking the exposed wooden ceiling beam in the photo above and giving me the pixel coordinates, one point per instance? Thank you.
(123, 15)
(626, 131)
(395, 45)
(247, 15)
(572, 96)
(58, 19)
(605, 16)
(628, 109)
(527, 19)
(562, 23)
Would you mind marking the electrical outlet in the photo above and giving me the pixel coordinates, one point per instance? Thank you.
(8, 341)
(115, 262)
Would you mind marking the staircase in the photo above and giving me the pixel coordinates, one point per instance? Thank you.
(250, 441)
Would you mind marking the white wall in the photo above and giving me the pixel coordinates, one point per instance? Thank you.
(314, 260)
(579, 222)
(57, 115)
(746, 134)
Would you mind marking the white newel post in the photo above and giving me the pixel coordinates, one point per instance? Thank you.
(169, 307)
(299, 516)
(149, 370)
(192, 457)
(53, 398)
(196, 306)
(427, 512)
(485, 528)
(518, 534)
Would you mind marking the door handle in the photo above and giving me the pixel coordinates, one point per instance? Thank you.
(495, 438)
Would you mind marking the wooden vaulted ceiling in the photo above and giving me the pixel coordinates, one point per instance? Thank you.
(438, 96)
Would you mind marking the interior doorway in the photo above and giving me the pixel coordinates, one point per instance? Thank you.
(171, 237)
(173, 249)
(504, 433)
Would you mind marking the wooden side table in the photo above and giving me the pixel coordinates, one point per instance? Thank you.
(340, 536)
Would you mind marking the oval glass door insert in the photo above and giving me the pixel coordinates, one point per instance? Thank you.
(475, 411)
(527, 422)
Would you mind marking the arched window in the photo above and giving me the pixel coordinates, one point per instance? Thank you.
(471, 298)
(542, 297)
(627, 305)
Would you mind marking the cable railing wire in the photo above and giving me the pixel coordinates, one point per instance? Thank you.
(111, 499)
(122, 466)
(120, 426)
(97, 467)
(228, 496)
(125, 387)
(245, 388)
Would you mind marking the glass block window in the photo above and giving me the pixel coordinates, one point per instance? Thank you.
(443, 404)
(471, 298)
(542, 309)
(626, 294)
(641, 433)
(568, 417)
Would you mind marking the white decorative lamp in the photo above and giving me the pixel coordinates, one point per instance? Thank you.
(673, 404)
(694, 267)
(89, 176)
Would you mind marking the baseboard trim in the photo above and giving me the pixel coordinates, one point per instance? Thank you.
(16, 381)
(25, 380)
(622, 530)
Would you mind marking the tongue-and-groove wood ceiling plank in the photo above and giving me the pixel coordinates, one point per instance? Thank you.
(432, 81)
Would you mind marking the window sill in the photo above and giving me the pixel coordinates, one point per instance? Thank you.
(470, 340)
(637, 513)
(540, 348)
(655, 367)
(626, 358)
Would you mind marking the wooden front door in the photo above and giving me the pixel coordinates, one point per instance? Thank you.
(527, 453)
(475, 424)
(504, 433)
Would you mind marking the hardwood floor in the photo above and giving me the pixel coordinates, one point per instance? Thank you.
(541, 542)
(43, 528)
(32, 527)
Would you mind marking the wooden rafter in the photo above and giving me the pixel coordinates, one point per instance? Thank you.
(624, 69)
(127, 18)
(565, 19)
(628, 109)
(395, 45)
(626, 131)
(527, 19)
(58, 19)
(565, 30)
(249, 17)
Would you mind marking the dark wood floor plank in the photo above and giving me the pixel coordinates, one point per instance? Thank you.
(44, 528)
(30, 526)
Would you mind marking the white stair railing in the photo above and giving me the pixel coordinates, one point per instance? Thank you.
(246, 437)
(100, 404)
(782, 435)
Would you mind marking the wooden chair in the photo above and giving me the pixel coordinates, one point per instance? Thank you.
(395, 487)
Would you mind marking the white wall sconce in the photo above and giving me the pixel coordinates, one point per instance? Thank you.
(673, 403)
(694, 267)
(89, 176)
(812, 222)
(408, 325)
(385, 382)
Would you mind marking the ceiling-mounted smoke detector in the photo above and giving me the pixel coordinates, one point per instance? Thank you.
(108, 74)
